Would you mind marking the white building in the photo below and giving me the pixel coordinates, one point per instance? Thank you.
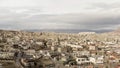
(82, 60)
(92, 47)
(80, 53)
(86, 33)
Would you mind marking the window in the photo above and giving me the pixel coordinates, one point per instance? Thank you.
(78, 59)
(83, 59)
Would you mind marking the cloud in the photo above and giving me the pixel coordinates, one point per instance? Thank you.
(61, 6)
(65, 21)
(60, 14)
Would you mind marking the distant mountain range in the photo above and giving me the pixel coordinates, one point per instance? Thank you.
(66, 30)
(118, 30)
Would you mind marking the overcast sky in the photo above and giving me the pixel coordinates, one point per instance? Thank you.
(60, 14)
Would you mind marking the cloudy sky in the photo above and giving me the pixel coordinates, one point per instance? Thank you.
(60, 14)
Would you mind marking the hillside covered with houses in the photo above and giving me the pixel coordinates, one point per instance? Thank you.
(23, 49)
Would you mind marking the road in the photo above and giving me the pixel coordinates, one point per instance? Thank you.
(17, 60)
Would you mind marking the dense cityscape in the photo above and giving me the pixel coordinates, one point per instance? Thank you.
(59, 33)
(22, 49)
